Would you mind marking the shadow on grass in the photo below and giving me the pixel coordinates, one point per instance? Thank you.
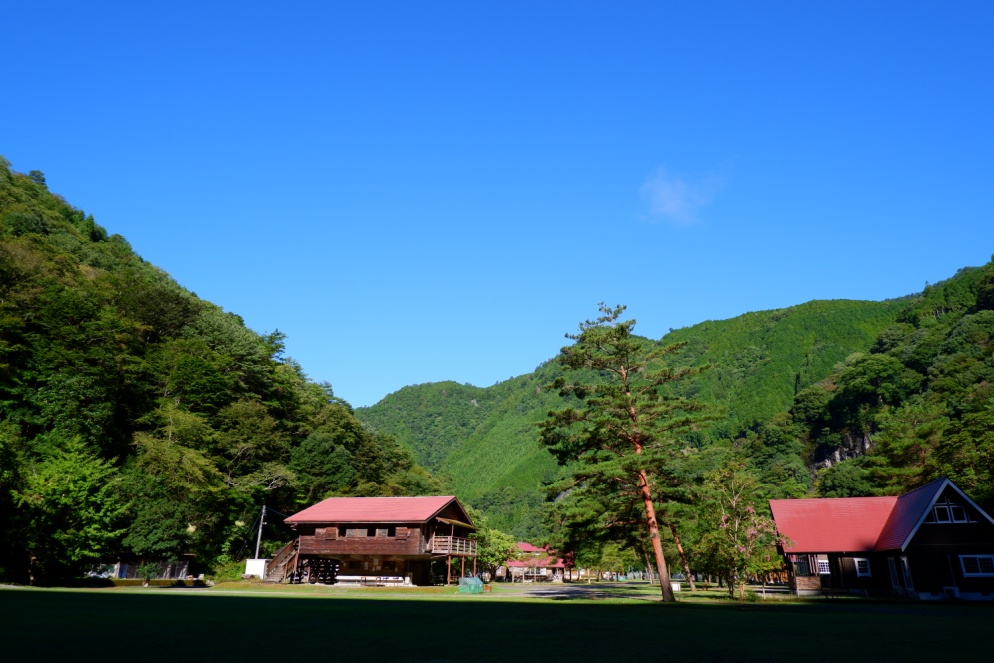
(160, 626)
(594, 591)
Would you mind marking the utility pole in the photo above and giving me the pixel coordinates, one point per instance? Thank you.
(258, 540)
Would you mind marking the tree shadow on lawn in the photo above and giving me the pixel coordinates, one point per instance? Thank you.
(154, 626)
(594, 591)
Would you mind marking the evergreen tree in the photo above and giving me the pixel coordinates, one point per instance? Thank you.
(624, 426)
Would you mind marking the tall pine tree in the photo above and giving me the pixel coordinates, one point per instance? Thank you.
(624, 428)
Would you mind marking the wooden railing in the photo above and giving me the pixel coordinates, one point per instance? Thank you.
(277, 567)
(452, 545)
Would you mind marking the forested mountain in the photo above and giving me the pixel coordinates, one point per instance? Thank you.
(832, 398)
(918, 406)
(484, 441)
(137, 419)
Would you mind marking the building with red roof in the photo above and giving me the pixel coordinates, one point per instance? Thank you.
(933, 542)
(375, 540)
(534, 563)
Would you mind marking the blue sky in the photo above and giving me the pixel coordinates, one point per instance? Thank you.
(425, 191)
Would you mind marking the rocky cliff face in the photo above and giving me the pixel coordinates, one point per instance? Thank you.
(851, 446)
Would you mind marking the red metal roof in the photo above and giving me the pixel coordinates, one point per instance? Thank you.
(538, 557)
(832, 524)
(859, 524)
(526, 547)
(537, 563)
(908, 514)
(374, 510)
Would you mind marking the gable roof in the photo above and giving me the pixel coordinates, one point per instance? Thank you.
(859, 524)
(911, 510)
(376, 510)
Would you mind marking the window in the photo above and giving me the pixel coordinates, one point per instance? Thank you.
(906, 570)
(949, 512)
(823, 566)
(892, 567)
(802, 567)
(977, 565)
(862, 567)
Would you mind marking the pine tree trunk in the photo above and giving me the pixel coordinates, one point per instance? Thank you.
(683, 556)
(648, 565)
(657, 545)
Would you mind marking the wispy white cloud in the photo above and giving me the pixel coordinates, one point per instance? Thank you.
(676, 200)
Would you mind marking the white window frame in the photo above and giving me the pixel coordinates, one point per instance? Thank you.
(824, 567)
(909, 584)
(946, 513)
(979, 573)
(867, 573)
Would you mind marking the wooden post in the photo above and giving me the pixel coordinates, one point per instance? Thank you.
(474, 567)
(462, 566)
(448, 570)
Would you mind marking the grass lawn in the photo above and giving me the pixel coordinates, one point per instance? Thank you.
(256, 622)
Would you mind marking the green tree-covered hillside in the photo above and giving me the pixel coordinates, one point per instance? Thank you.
(918, 405)
(137, 420)
(760, 361)
(484, 441)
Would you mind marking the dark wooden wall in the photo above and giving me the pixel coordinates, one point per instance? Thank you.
(325, 540)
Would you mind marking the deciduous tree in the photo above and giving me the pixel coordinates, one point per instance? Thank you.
(737, 541)
(71, 510)
(494, 548)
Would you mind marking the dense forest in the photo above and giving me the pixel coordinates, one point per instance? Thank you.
(139, 421)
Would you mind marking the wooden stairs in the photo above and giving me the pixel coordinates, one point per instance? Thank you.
(283, 563)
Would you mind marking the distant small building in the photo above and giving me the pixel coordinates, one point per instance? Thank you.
(931, 543)
(535, 564)
(375, 540)
(127, 568)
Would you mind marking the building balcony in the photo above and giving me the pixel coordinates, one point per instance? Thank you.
(452, 545)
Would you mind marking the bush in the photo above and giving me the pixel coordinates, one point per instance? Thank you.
(148, 571)
(228, 571)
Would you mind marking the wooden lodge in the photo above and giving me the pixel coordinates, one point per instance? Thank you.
(534, 564)
(376, 541)
(931, 543)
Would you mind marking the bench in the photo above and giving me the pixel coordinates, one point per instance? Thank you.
(371, 581)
